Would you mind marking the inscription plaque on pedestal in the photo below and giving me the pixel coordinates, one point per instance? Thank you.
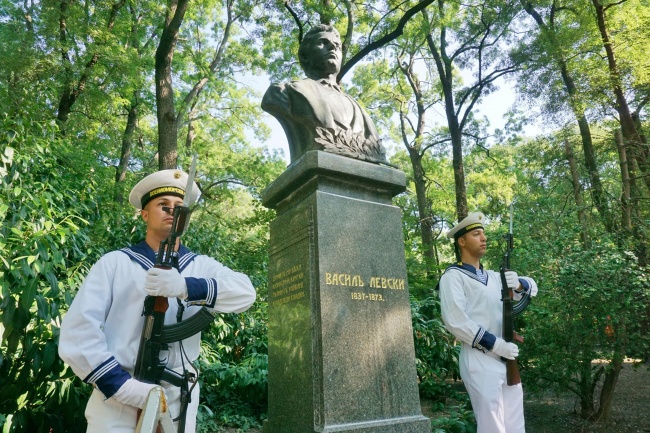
(341, 355)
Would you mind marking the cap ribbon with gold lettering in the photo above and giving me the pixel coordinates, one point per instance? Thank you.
(164, 182)
(471, 222)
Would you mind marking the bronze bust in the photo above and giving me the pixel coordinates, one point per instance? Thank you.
(315, 113)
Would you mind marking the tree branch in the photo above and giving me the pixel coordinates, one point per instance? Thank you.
(383, 40)
(296, 19)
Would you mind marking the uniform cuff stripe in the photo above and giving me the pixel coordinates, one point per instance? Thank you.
(109, 376)
(483, 341)
(201, 291)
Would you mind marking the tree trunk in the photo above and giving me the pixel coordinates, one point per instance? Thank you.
(459, 175)
(587, 384)
(628, 126)
(626, 216)
(607, 392)
(445, 68)
(577, 193)
(125, 154)
(597, 190)
(165, 111)
(415, 154)
(424, 211)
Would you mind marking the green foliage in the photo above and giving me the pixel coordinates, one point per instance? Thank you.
(44, 205)
(234, 366)
(593, 308)
(61, 208)
(435, 350)
(459, 419)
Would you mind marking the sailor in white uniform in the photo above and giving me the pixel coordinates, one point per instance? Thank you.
(470, 299)
(101, 331)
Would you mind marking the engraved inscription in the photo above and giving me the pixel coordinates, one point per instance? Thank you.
(361, 296)
(287, 285)
(387, 283)
(336, 279)
(365, 283)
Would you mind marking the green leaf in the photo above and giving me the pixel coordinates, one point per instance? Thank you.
(28, 295)
(49, 355)
(43, 307)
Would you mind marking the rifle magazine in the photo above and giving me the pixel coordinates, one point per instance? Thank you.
(188, 327)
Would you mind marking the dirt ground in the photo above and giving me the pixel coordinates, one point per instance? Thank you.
(552, 413)
(630, 408)
(561, 413)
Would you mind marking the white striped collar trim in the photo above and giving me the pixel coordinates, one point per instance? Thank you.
(470, 274)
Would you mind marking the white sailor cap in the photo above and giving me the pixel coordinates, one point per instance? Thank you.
(471, 222)
(164, 182)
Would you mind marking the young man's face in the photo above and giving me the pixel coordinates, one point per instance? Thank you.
(158, 219)
(325, 54)
(473, 243)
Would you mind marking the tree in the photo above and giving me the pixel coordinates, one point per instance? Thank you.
(568, 327)
(166, 112)
(470, 36)
(559, 50)
(72, 87)
(399, 101)
(637, 164)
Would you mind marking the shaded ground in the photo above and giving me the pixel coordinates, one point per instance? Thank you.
(560, 413)
(630, 408)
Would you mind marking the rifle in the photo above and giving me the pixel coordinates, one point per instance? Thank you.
(155, 334)
(509, 334)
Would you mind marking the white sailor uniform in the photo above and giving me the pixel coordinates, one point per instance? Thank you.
(471, 308)
(100, 333)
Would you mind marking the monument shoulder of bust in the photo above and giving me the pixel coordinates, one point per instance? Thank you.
(313, 118)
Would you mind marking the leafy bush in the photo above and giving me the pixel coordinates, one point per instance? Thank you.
(435, 351)
(590, 309)
(458, 419)
(44, 206)
(234, 368)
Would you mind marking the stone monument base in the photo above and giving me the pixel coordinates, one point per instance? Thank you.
(341, 353)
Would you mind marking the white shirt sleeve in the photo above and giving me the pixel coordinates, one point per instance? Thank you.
(453, 304)
(235, 292)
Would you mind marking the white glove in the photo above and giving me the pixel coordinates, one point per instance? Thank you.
(134, 393)
(165, 282)
(505, 349)
(512, 280)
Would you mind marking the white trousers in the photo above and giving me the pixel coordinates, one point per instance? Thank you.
(498, 408)
(110, 416)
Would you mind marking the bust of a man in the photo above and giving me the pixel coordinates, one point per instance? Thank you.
(314, 112)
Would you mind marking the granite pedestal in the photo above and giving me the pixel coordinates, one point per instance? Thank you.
(341, 355)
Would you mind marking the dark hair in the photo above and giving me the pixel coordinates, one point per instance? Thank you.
(309, 38)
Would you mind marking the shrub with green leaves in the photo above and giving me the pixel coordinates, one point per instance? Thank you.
(234, 370)
(435, 350)
(593, 307)
(44, 205)
(458, 419)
